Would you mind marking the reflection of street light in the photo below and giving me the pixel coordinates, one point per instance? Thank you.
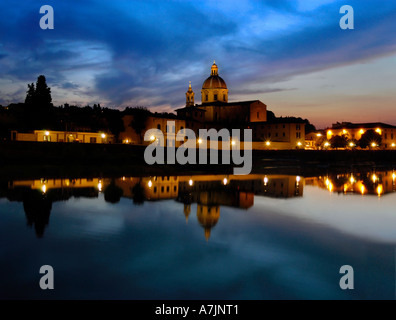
(225, 181)
(44, 188)
(150, 184)
(362, 189)
(374, 177)
(379, 190)
(100, 186)
(190, 182)
(265, 181)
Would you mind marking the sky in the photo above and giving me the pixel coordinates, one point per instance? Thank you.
(292, 55)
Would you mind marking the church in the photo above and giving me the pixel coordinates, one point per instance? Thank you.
(215, 111)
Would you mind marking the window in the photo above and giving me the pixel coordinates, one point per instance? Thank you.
(276, 134)
(174, 188)
(167, 189)
(162, 189)
(284, 126)
(206, 98)
(386, 136)
(258, 115)
(224, 97)
(158, 126)
(392, 136)
(298, 135)
(181, 128)
(155, 189)
(47, 138)
(284, 134)
(298, 127)
(92, 140)
(215, 97)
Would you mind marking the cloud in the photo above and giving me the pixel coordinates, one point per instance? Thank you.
(135, 52)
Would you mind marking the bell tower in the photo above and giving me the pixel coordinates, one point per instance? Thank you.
(190, 96)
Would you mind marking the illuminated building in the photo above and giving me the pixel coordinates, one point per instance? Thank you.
(63, 136)
(355, 131)
(215, 111)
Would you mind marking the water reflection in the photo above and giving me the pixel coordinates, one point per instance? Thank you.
(208, 192)
(366, 183)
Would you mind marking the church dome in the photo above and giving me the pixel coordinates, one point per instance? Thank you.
(214, 81)
(214, 89)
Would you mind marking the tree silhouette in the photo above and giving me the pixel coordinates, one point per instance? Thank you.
(139, 195)
(30, 94)
(369, 137)
(140, 116)
(39, 96)
(113, 193)
(339, 141)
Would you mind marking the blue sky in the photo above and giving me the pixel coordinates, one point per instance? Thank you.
(292, 55)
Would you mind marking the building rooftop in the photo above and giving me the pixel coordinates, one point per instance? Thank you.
(371, 125)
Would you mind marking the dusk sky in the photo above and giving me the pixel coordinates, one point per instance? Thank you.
(291, 55)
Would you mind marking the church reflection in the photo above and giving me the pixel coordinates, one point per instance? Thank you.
(372, 182)
(208, 192)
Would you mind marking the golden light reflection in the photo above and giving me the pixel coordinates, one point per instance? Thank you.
(44, 188)
(225, 181)
(152, 138)
(200, 141)
(378, 130)
(374, 178)
(379, 190)
(191, 182)
(268, 143)
(362, 189)
(150, 184)
(361, 131)
(100, 186)
(265, 181)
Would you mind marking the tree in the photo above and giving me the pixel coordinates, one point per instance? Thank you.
(368, 138)
(339, 141)
(139, 122)
(30, 94)
(39, 96)
(43, 92)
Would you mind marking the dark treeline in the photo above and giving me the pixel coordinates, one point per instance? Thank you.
(38, 113)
